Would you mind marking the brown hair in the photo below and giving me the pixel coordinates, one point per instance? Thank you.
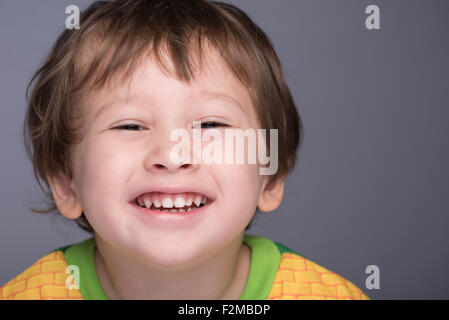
(114, 37)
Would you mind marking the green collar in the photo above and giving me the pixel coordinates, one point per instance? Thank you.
(265, 258)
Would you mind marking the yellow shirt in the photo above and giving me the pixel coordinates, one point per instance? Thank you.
(276, 273)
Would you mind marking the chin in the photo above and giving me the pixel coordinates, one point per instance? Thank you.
(168, 256)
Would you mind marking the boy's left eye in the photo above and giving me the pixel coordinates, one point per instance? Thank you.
(212, 124)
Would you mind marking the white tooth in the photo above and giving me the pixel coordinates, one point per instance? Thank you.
(204, 200)
(197, 201)
(167, 203)
(173, 210)
(157, 204)
(189, 209)
(180, 202)
(147, 203)
(182, 210)
(189, 202)
(140, 202)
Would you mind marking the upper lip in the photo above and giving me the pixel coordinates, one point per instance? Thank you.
(200, 190)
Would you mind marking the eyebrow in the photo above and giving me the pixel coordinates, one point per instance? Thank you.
(110, 105)
(206, 95)
(212, 95)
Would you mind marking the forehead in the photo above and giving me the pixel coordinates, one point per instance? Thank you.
(152, 83)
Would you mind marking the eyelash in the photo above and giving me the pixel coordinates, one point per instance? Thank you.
(216, 124)
(127, 125)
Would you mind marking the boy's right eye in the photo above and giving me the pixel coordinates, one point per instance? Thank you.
(132, 127)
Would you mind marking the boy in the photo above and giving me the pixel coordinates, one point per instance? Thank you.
(100, 120)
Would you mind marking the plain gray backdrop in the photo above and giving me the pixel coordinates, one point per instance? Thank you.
(371, 183)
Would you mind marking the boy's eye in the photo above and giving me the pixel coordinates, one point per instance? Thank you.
(212, 124)
(132, 127)
(204, 125)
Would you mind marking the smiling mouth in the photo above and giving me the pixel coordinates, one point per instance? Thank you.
(172, 202)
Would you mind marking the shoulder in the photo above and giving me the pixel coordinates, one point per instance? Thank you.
(45, 279)
(300, 278)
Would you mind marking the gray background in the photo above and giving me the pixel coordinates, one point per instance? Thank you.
(371, 185)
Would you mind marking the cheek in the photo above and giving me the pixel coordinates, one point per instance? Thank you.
(103, 171)
(240, 185)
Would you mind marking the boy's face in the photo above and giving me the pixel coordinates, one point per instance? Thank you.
(113, 167)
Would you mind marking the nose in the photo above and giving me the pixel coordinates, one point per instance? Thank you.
(161, 167)
(163, 157)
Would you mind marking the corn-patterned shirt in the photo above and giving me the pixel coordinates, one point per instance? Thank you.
(276, 272)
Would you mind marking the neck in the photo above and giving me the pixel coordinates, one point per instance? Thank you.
(222, 276)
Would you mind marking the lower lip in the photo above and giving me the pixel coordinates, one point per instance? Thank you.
(170, 217)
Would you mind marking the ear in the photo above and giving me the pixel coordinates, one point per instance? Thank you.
(64, 196)
(271, 196)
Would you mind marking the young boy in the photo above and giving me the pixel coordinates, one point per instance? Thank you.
(100, 120)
